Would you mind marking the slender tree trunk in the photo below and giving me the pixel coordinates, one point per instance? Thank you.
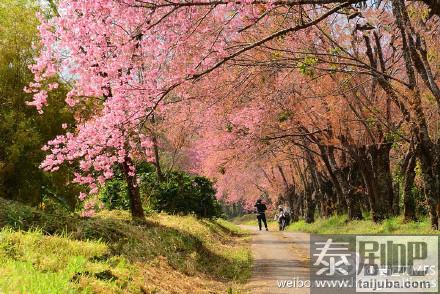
(305, 196)
(329, 199)
(409, 205)
(289, 195)
(159, 173)
(301, 205)
(314, 189)
(396, 200)
(310, 206)
(334, 179)
(137, 212)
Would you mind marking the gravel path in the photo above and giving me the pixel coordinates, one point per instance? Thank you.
(277, 256)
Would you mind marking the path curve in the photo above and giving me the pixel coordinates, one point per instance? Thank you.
(277, 256)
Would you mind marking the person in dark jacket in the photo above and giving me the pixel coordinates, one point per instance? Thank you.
(261, 216)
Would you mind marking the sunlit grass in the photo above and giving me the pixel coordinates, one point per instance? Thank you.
(43, 253)
(340, 225)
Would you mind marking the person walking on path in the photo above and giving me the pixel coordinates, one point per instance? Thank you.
(281, 218)
(261, 215)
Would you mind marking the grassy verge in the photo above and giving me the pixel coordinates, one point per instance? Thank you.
(59, 253)
(340, 225)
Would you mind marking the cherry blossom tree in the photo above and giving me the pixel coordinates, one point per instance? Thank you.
(286, 86)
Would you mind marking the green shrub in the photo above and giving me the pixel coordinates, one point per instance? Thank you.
(177, 193)
(114, 194)
(181, 193)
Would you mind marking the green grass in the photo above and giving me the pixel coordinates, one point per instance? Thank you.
(340, 225)
(34, 263)
(61, 253)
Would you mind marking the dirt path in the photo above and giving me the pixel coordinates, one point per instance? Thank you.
(277, 256)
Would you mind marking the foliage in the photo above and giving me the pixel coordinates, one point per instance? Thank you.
(284, 116)
(182, 193)
(306, 67)
(23, 132)
(114, 194)
(178, 193)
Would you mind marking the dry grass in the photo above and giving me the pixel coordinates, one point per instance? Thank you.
(44, 253)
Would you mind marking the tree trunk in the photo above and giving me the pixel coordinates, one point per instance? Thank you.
(427, 152)
(328, 205)
(159, 173)
(384, 179)
(341, 204)
(343, 192)
(137, 212)
(409, 204)
(341, 185)
(293, 200)
(301, 205)
(310, 206)
(428, 157)
(354, 205)
(396, 200)
(354, 187)
(374, 162)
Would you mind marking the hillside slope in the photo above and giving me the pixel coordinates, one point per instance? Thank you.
(60, 253)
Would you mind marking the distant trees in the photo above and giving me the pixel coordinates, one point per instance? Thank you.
(23, 132)
(338, 114)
